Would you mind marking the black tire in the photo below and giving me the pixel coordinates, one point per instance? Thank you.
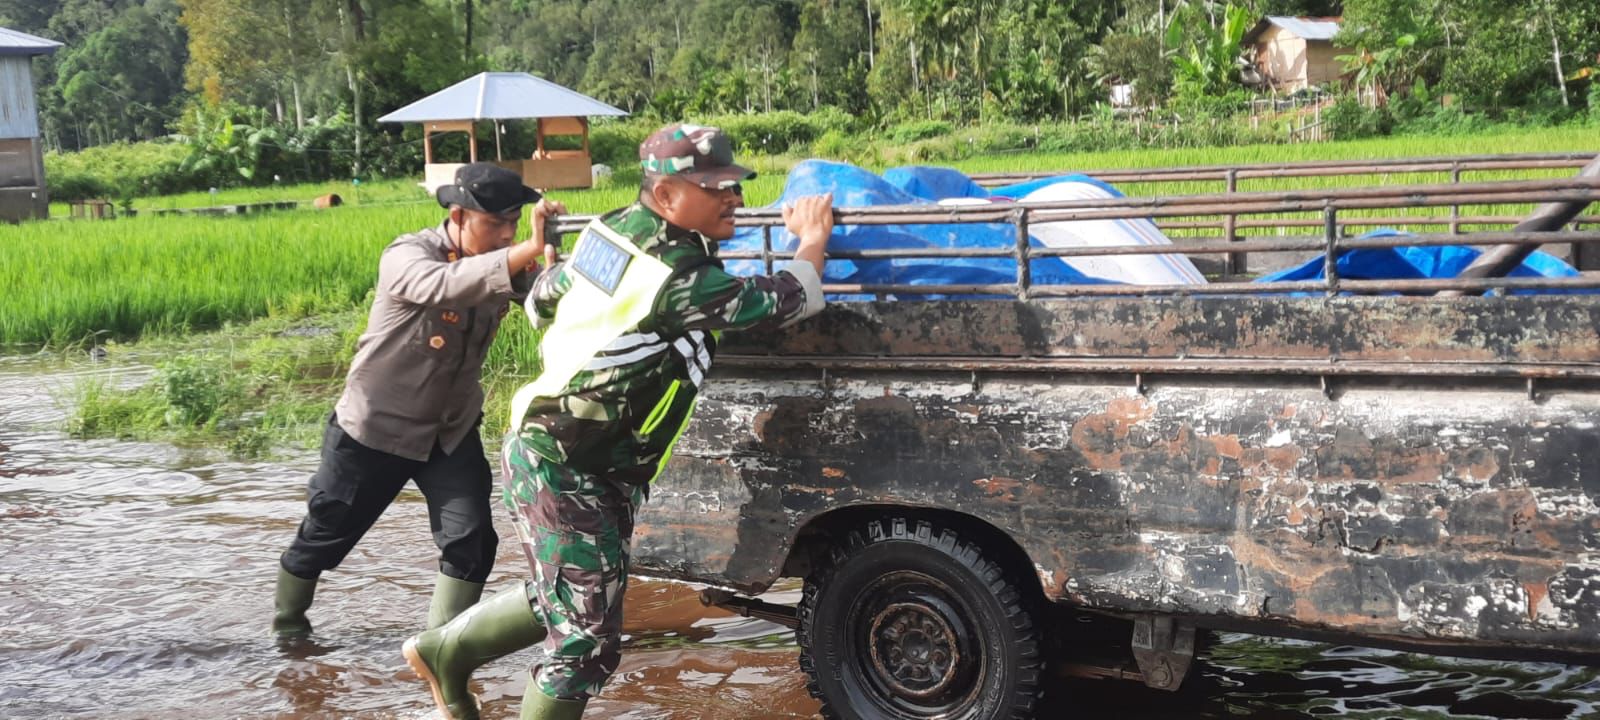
(904, 620)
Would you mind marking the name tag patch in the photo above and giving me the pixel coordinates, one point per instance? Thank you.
(600, 261)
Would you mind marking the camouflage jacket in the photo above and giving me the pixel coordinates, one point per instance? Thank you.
(595, 425)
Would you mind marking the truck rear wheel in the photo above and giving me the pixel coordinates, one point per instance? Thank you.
(905, 620)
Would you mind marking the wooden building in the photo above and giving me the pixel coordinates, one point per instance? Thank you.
(23, 193)
(1295, 53)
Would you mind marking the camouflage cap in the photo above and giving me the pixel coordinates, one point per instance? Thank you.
(697, 153)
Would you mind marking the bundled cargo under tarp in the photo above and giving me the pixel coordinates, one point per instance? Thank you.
(855, 187)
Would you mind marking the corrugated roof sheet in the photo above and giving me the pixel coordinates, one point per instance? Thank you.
(13, 42)
(501, 96)
(1308, 28)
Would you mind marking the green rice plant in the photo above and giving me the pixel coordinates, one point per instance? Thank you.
(100, 410)
(1502, 140)
(125, 278)
(68, 281)
(196, 388)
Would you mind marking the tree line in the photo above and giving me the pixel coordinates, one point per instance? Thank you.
(141, 69)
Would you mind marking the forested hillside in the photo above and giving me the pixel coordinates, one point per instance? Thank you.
(303, 75)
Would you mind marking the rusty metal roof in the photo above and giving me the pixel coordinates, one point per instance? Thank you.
(13, 42)
(501, 96)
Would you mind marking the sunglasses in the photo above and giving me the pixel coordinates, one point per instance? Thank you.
(735, 188)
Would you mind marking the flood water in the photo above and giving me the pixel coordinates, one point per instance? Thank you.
(136, 582)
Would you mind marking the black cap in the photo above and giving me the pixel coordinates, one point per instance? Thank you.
(487, 187)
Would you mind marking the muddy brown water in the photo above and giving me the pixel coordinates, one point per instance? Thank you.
(135, 582)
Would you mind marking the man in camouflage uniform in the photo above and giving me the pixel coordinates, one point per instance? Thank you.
(631, 319)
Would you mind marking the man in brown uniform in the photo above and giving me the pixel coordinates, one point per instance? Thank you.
(412, 400)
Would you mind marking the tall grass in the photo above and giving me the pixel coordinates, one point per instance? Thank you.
(70, 281)
(1501, 140)
(67, 282)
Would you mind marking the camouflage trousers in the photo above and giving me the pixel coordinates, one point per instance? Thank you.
(576, 529)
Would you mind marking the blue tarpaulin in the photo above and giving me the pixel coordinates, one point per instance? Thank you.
(1420, 263)
(934, 183)
(854, 187)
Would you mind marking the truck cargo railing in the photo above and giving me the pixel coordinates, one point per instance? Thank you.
(1175, 180)
(1334, 207)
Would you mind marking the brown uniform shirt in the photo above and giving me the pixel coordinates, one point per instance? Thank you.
(415, 377)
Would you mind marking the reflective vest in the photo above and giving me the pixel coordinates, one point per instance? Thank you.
(614, 288)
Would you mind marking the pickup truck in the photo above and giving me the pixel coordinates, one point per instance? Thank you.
(1410, 463)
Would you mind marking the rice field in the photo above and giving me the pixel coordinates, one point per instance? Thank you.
(72, 281)
(1507, 140)
(263, 278)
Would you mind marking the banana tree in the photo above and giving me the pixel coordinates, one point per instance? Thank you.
(221, 149)
(1205, 57)
(1378, 71)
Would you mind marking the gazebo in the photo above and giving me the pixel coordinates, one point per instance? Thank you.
(501, 96)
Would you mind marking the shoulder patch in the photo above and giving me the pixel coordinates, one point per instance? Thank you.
(600, 261)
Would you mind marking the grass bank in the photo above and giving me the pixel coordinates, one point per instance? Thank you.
(247, 387)
(259, 387)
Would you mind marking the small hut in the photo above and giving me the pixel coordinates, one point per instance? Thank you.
(500, 96)
(23, 194)
(1294, 53)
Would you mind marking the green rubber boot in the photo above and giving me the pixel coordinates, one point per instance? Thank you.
(446, 656)
(451, 597)
(538, 706)
(290, 603)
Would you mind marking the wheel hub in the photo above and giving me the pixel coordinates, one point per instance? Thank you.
(914, 650)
